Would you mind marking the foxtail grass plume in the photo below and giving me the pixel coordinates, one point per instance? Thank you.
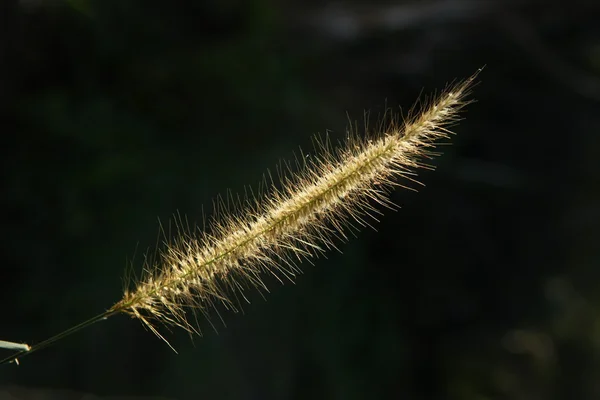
(314, 207)
(329, 195)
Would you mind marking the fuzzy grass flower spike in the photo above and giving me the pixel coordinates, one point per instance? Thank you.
(330, 194)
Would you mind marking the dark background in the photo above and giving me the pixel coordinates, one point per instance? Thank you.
(485, 285)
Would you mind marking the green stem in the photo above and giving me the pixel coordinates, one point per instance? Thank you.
(55, 338)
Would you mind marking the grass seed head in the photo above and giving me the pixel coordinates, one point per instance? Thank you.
(331, 193)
